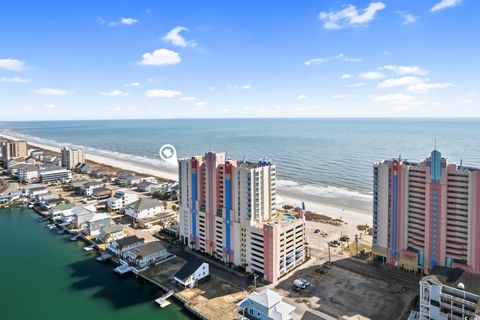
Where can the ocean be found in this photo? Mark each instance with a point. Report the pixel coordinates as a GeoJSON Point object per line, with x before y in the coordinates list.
{"type": "Point", "coordinates": [44, 275]}
{"type": "Point", "coordinates": [329, 159]}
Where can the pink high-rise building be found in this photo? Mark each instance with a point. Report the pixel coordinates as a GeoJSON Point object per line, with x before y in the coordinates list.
{"type": "Point", "coordinates": [427, 214]}
{"type": "Point", "coordinates": [228, 211]}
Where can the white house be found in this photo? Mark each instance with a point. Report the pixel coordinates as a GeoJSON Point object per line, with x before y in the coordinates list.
{"type": "Point", "coordinates": [128, 180]}
{"type": "Point", "coordinates": [87, 188]}
{"type": "Point", "coordinates": [78, 215]}
{"type": "Point", "coordinates": [55, 212]}
{"type": "Point", "coordinates": [111, 233]}
{"type": "Point", "coordinates": [97, 222]}
{"type": "Point", "coordinates": [144, 208]}
{"type": "Point", "coordinates": [149, 253]}
{"type": "Point", "coordinates": [121, 199]}
{"type": "Point", "coordinates": [265, 305]}
{"type": "Point", "coordinates": [36, 191]}
{"type": "Point", "coordinates": [120, 246]}
{"type": "Point", "coordinates": [193, 271]}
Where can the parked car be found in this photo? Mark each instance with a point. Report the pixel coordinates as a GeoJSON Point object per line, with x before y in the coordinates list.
{"type": "Point", "coordinates": [299, 284]}
{"type": "Point", "coordinates": [334, 243]}
{"type": "Point", "coordinates": [344, 238]}
{"type": "Point", "coordinates": [305, 282]}
{"type": "Point", "coordinates": [327, 265]}
{"type": "Point", "coordinates": [317, 231]}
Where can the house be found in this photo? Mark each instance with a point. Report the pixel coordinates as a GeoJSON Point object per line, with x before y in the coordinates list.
{"type": "Point", "coordinates": [121, 199]}
{"type": "Point", "coordinates": [54, 173]}
{"type": "Point", "coordinates": [101, 193]}
{"type": "Point", "coordinates": [84, 168]}
{"type": "Point", "coordinates": [144, 186]}
{"type": "Point", "coordinates": [36, 191]}
{"type": "Point", "coordinates": [128, 180]}
{"type": "Point", "coordinates": [111, 233]}
{"type": "Point", "coordinates": [120, 246]}
{"type": "Point", "coordinates": [97, 222]}
{"type": "Point", "coordinates": [88, 187]}
{"type": "Point", "coordinates": [27, 173]}
{"type": "Point", "coordinates": [265, 305]}
{"type": "Point", "coordinates": [49, 201]}
{"type": "Point", "coordinates": [146, 255]}
{"type": "Point", "coordinates": [82, 214]}
{"type": "Point", "coordinates": [193, 271]}
{"type": "Point", "coordinates": [56, 211]}
{"type": "Point", "coordinates": [144, 208]}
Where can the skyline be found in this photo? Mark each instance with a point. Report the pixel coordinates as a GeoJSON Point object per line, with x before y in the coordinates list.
{"type": "Point", "coordinates": [187, 60]}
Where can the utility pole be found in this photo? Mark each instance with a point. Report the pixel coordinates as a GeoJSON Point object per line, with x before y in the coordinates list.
{"type": "Point", "coordinates": [329, 260]}
{"type": "Point", "coordinates": [255, 280]}
{"type": "Point", "coordinates": [356, 244]}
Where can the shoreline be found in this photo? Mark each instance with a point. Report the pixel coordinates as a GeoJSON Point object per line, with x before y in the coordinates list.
{"type": "Point", "coordinates": [351, 215]}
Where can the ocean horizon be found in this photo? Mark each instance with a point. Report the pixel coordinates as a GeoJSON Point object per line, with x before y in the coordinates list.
{"type": "Point", "coordinates": [329, 160]}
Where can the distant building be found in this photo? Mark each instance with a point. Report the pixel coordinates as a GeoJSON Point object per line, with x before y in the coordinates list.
{"type": "Point", "coordinates": [55, 212]}
{"type": "Point", "coordinates": [72, 157]}
{"type": "Point", "coordinates": [144, 208]}
{"type": "Point", "coordinates": [192, 272]}
{"type": "Point", "coordinates": [13, 150]}
{"type": "Point", "coordinates": [97, 222]}
{"type": "Point", "coordinates": [427, 214]}
{"type": "Point", "coordinates": [88, 188]}
{"type": "Point", "coordinates": [265, 305]}
{"type": "Point", "coordinates": [54, 174]}
{"type": "Point", "coordinates": [228, 211]}
{"type": "Point", "coordinates": [121, 199]}
{"type": "Point", "coordinates": [439, 301]}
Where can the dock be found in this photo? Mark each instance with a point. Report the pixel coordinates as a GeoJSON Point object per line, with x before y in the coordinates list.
{"type": "Point", "coordinates": [162, 301]}
{"type": "Point", "coordinates": [104, 257]}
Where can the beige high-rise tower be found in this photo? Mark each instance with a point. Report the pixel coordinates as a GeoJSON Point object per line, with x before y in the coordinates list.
{"type": "Point", "coordinates": [72, 157]}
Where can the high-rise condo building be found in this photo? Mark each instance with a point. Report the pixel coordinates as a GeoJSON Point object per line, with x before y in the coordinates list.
{"type": "Point", "coordinates": [427, 214]}
{"type": "Point", "coordinates": [228, 210]}
{"type": "Point", "coordinates": [72, 157]}
{"type": "Point", "coordinates": [14, 150]}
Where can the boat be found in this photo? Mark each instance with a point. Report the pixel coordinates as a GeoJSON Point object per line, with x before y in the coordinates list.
{"type": "Point", "coordinates": [42, 219]}
{"type": "Point", "coordinates": [50, 226]}
{"type": "Point", "coordinates": [123, 268]}
{"type": "Point", "coordinates": [75, 238]}
{"type": "Point", "coordinates": [104, 256]}
{"type": "Point", "coordinates": [89, 248]}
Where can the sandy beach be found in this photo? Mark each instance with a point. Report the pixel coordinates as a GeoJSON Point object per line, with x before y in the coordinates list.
{"type": "Point", "coordinates": [352, 216]}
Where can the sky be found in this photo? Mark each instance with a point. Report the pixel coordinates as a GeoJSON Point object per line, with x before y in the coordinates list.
{"type": "Point", "coordinates": [238, 59]}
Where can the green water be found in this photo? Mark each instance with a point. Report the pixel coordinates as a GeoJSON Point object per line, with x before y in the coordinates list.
{"type": "Point", "coordinates": [43, 275]}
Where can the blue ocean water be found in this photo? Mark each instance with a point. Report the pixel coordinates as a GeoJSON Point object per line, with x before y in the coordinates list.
{"type": "Point", "coordinates": [327, 158]}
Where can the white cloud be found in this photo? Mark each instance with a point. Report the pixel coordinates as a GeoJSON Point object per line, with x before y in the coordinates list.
{"type": "Point", "coordinates": [358, 85]}
{"type": "Point", "coordinates": [340, 56]}
{"type": "Point", "coordinates": [15, 80]}
{"type": "Point", "coordinates": [301, 97]}
{"type": "Point", "coordinates": [400, 82]}
{"type": "Point", "coordinates": [246, 86]}
{"type": "Point", "coordinates": [445, 4]}
{"type": "Point", "coordinates": [161, 93]}
{"type": "Point", "coordinates": [115, 93]}
{"type": "Point", "coordinates": [52, 92]}
{"type": "Point", "coordinates": [175, 38]}
{"type": "Point", "coordinates": [12, 64]}
{"type": "Point", "coordinates": [188, 98]}
{"type": "Point", "coordinates": [372, 75]}
{"type": "Point", "coordinates": [427, 86]}
{"type": "Point", "coordinates": [160, 57]}
{"type": "Point", "coordinates": [128, 21]}
{"type": "Point", "coordinates": [201, 104]}
{"type": "Point", "coordinates": [346, 76]}
{"type": "Point", "coordinates": [134, 84]}
{"type": "Point", "coordinates": [398, 99]}
{"type": "Point", "coordinates": [238, 86]}
{"type": "Point", "coordinates": [344, 96]}
{"type": "Point", "coordinates": [401, 70]}
{"type": "Point", "coordinates": [50, 106]}
{"type": "Point", "coordinates": [350, 16]}
{"type": "Point", "coordinates": [407, 17]}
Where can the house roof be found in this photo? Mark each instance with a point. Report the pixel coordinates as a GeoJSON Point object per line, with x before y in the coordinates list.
{"type": "Point", "coordinates": [453, 277]}
{"type": "Point", "coordinates": [121, 243]}
{"type": "Point", "coordinates": [92, 184]}
{"type": "Point", "coordinates": [99, 217]}
{"type": "Point", "coordinates": [101, 190]}
{"type": "Point", "coordinates": [266, 297]}
{"type": "Point", "coordinates": [144, 204]}
{"type": "Point", "coordinates": [281, 311]}
{"type": "Point", "coordinates": [61, 207]}
{"type": "Point", "coordinates": [148, 249]}
{"type": "Point", "coordinates": [112, 229]}
{"type": "Point", "coordinates": [277, 309]}
{"type": "Point", "coordinates": [188, 269]}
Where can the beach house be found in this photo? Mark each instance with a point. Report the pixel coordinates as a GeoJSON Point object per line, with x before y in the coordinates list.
{"type": "Point", "coordinates": [55, 212]}
{"type": "Point", "coordinates": [88, 187]}
{"type": "Point", "coordinates": [144, 208]}
{"type": "Point", "coordinates": [111, 233]}
{"type": "Point", "coordinates": [121, 199]}
{"type": "Point", "coordinates": [120, 246]}
{"type": "Point", "coordinates": [192, 272]}
{"type": "Point", "coordinates": [97, 222]}
{"type": "Point", "coordinates": [265, 305]}
{"type": "Point", "coordinates": [147, 254]}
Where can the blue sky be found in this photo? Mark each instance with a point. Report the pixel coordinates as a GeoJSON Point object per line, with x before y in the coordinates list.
{"type": "Point", "coordinates": [192, 59]}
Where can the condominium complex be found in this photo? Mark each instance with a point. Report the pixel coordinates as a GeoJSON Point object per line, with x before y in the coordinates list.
{"type": "Point", "coordinates": [13, 150]}
{"type": "Point", "coordinates": [441, 301]}
{"type": "Point", "coordinates": [228, 210]}
{"type": "Point", "coordinates": [72, 157]}
{"type": "Point", "coordinates": [427, 214]}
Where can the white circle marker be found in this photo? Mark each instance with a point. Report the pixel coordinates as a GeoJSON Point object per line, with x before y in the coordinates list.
{"type": "Point", "coordinates": [168, 154]}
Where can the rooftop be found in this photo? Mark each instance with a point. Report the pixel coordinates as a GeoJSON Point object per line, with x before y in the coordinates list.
{"type": "Point", "coordinates": [112, 229]}
{"type": "Point", "coordinates": [148, 249]}
{"type": "Point", "coordinates": [121, 243]}
{"type": "Point", "coordinates": [188, 269]}
{"type": "Point", "coordinates": [144, 204]}
{"type": "Point", "coordinates": [61, 207]}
